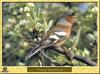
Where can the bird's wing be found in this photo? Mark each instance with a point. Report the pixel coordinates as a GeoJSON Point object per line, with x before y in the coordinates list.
{"type": "Point", "coordinates": [37, 48]}
{"type": "Point", "coordinates": [32, 52]}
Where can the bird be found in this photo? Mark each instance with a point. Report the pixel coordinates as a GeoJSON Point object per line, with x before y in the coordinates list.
{"type": "Point", "coordinates": [57, 35]}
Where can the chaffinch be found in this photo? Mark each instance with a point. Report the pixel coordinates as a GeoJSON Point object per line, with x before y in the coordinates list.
{"type": "Point", "coordinates": [57, 35]}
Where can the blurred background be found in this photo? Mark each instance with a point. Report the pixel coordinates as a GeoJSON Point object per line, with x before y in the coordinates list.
{"type": "Point", "coordinates": [19, 20]}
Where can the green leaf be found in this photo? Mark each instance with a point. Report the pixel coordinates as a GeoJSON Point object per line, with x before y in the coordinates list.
{"type": "Point", "coordinates": [49, 25]}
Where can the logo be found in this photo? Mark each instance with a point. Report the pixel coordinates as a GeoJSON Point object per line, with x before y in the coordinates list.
{"type": "Point", "coordinates": [5, 69]}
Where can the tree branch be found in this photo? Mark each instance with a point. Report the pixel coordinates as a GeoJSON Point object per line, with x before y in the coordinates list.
{"type": "Point", "coordinates": [77, 57]}
{"type": "Point", "coordinates": [46, 56]}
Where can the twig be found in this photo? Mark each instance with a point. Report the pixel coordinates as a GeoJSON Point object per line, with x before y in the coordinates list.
{"type": "Point", "coordinates": [36, 50]}
{"type": "Point", "coordinates": [46, 56]}
{"type": "Point", "coordinates": [60, 50]}
{"type": "Point", "coordinates": [77, 37]}
{"type": "Point", "coordinates": [85, 60]}
{"type": "Point", "coordinates": [77, 57]}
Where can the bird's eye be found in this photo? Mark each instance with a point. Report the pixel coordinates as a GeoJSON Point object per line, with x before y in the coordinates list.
{"type": "Point", "coordinates": [73, 13]}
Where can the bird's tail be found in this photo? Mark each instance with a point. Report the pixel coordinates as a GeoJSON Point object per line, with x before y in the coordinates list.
{"type": "Point", "coordinates": [33, 52]}
{"type": "Point", "coordinates": [37, 48]}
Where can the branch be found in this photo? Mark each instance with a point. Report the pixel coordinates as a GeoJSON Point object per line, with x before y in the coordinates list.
{"type": "Point", "coordinates": [77, 57]}
{"type": "Point", "coordinates": [77, 37]}
{"type": "Point", "coordinates": [85, 60]}
{"type": "Point", "coordinates": [46, 56]}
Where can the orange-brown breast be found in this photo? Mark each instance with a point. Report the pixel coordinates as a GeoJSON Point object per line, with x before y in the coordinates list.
{"type": "Point", "coordinates": [70, 19]}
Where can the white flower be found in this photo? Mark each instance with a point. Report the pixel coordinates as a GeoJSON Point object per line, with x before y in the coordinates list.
{"type": "Point", "coordinates": [21, 10]}
{"type": "Point", "coordinates": [94, 9]}
{"type": "Point", "coordinates": [25, 44]}
{"type": "Point", "coordinates": [7, 45]}
{"type": "Point", "coordinates": [26, 9]}
{"type": "Point", "coordinates": [14, 12]}
{"type": "Point", "coordinates": [86, 52]}
{"type": "Point", "coordinates": [39, 39]}
{"type": "Point", "coordinates": [90, 15]}
{"type": "Point", "coordinates": [7, 26]}
{"type": "Point", "coordinates": [21, 64]}
{"type": "Point", "coordinates": [23, 21]}
{"type": "Point", "coordinates": [28, 15]}
{"type": "Point", "coordinates": [11, 20]}
{"type": "Point", "coordinates": [35, 39]}
{"type": "Point", "coordinates": [11, 33]}
{"type": "Point", "coordinates": [31, 4]}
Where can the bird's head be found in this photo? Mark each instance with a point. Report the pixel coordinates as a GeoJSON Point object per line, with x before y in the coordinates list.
{"type": "Point", "coordinates": [70, 16]}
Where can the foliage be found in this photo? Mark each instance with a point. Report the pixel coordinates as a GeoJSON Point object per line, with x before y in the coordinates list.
{"type": "Point", "coordinates": [19, 20]}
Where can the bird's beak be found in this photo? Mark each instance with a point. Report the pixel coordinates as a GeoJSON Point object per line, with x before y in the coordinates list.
{"type": "Point", "coordinates": [76, 15]}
